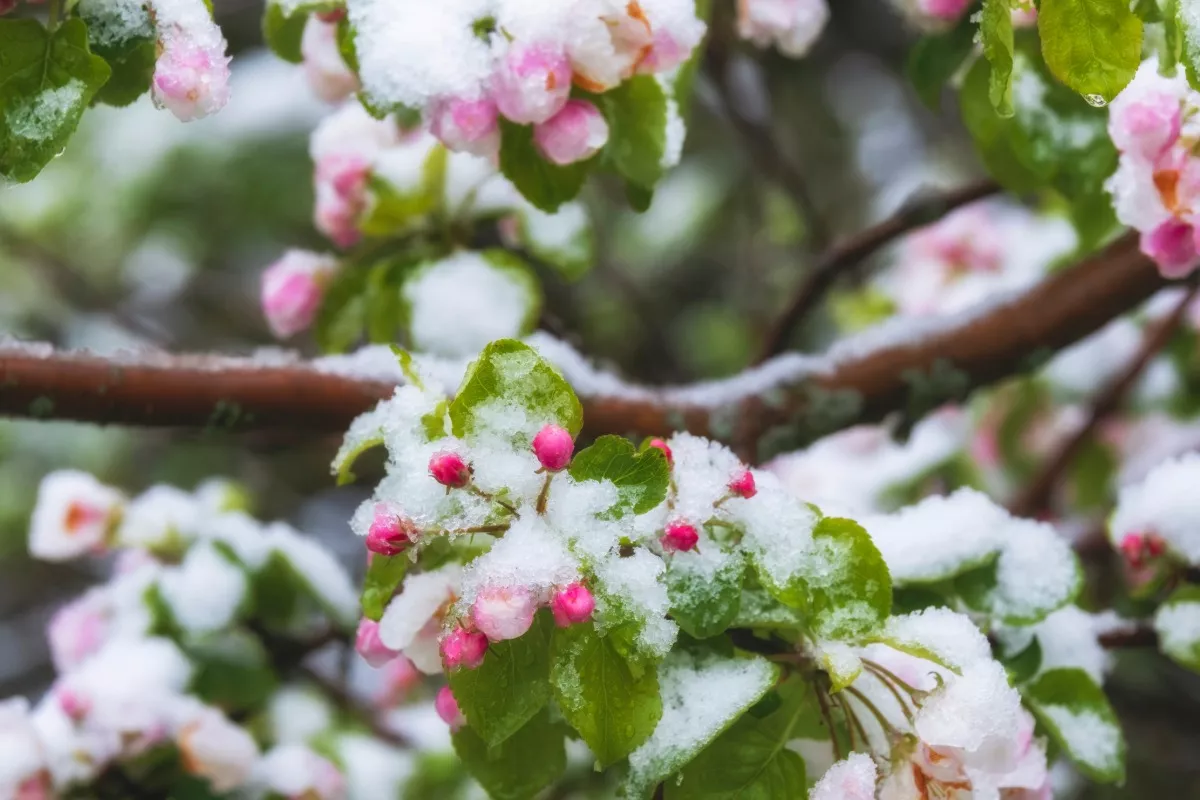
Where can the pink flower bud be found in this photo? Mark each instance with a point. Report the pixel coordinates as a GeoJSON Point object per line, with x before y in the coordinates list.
{"type": "Point", "coordinates": [336, 15]}
{"type": "Point", "coordinates": [189, 80]}
{"type": "Point", "coordinates": [572, 605]}
{"type": "Point", "coordinates": [1146, 126]}
{"type": "Point", "coordinates": [468, 126]}
{"type": "Point", "coordinates": [679, 536]}
{"type": "Point", "coordinates": [7, 6]}
{"type": "Point", "coordinates": [76, 631]}
{"type": "Point", "coordinates": [463, 648]}
{"type": "Point", "coordinates": [1172, 246]}
{"type": "Point", "coordinates": [74, 704]}
{"type": "Point", "coordinates": [665, 54]}
{"type": "Point", "coordinates": [327, 73]}
{"type": "Point", "coordinates": [390, 533]}
{"type": "Point", "coordinates": [447, 709]}
{"type": "Point", "coordinates": [400, 675]}
{"type": "Point", "coordinates": [659, 444]}
{"type": "Point", "coordinates": [948, 10]}
{"type": "Point", "coordinates": [553, 447]}
{"type": "Point", "coordinates": [532, 83]}
{"type": "Point", "coordinates": [574, 134]}
{"type": "Point", "coordinates": [504, 612]}
{"type": "Point", "coordinates": [369, 645]}
{"type": "Point", "coordinates": [449, 469]}
{"type": "Point", "coordinates": [292, 290]}
{"type": "Point", "coordinates": [743, 484]}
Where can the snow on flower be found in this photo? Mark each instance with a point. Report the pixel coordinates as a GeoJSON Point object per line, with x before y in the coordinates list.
{"type": "Point", "coordinates": [191, 76]}
{"type": "Point", "coordinates": [1157, 182]}
{"type": "Point", "coordinates": [22, 764]}
{"type": "Point", "coordinates": [575, 133]}
{"type": "Point", "coordinates": [295, 771]}
{"type": "Point", "coordinates": [791, 25]}
{"type": "Point", "coordinates": [852, 778]}
{"type": "Point", "coordinates": [327, 73]}
{"type": "Point", "coordinates": [74, 515]}
{"type": "Point", "coordinates": [1162, 505]}
{"type": "Point", "coordinates": [214, 748]}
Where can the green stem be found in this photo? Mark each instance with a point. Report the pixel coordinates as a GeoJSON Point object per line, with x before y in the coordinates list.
{"type": "Point", "coordinates": [545, 494]}
{"type": "Point", "coordinates": [54, 11]}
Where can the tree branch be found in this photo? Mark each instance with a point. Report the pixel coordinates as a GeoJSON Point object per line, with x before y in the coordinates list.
{"type": "Point", "coordinates": [781, 405]}
{"type": "Point", "coordinates": [843, 257]}
{"type": "Point", "coordinates": [1037, 493]}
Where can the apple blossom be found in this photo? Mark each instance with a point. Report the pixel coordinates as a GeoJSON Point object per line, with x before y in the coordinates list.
{"type": "Point", "coordinates": [468, 126]}
{"type": "Point", "coordinates": [390, 533]}
{"type": "Point", "coordinates": [191, 80]}
{"type": "Point", "coordinates": [368, 645]}
{"type": "Point", "coordinates": [77, 630]}
{"type": "Point", "coordinates": [792, 25]}
{"type": "Point", "coordinates": [504, 612]}
{"type": "Point", "coordinates": [463, 648]}
{"type": "Point", "coordinates": [572, 605]}
{"type": "Point", "coordinates": [327, 73]}
{"type": "Point", "coordinates": [292, 290]}
{"type": "Point", "coordinates": [74, 514]}
{"type": "Point", "coordinates": [400, 676]}
{"type": "Point", "coordinates": [447, 709]}
{"type": "Point", "coordinates": [532, 82]}
{"type": "Point", "coordinates": [575, 133]}
{"type": "Point", "coordinates": [216, 749]}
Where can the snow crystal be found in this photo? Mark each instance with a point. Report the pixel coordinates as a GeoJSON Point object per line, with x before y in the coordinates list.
{"type": "Point", "coordinates": [573, 509]}
{"type": "Point", "coordinates": [45, 115]}
{"type": "Point", "coordinates": [205, 591]}
{"type": "Point", "coordinates": [938, 536]}
{"type": "Point", "coordinates": [946, 634]}
{"type": "Point", "coordinates": [778, 528]}
{"type": "Point", "coordinates": [1178, 626]}
{"type": "Point", "coordinates": [1166, 503]}
{"type": "Point", "coordinates": [464, 301]}
{"type": "Point", "coordinates": [852, 778]}
{"type": "Point", "coordinates": [529, 554]}
{"type": "Point", "coordinates": [114, 22]}
{"type": "Point", "coordinates": [701, 695]}
{"type": "Point", "coordinates": [634, 586]}
{"type": "Point", "coordinates": [422, 596]}
{"type": "Point", "coordinates": [1093, 740]}
{"type": "Point", "coordinates": [158, 516]}
{"type": "Point", "coordinates": [977, 712]}
{"type": "Point", "coordinates": [702, 472]}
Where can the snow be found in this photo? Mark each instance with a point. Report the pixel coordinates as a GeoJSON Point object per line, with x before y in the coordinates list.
{"type": "Point", "coordinates": [1092, 739]}
{"type": "Point", "coordinates": [46, 114]}
{"type": "Point", "coordinates": [1165, 503]}
{"type": "Point", "coordinates": [701, 695]}
{"type": "Point", "coordinates": [852, 778]}
{"type": "Point", "coordinates": [205, 591]}
{"type": "Point", "coordinates": [1178, 626]}
{"type": "Point", "coordinates": [977, 712]}
{"type": "Point", "coordinates": [297, 714]}
{"type": "Point", "coordinates": [1069, 638]}
{"type": "Point", "coordinates": [529, 555]}
{"type": "Point", "coordinates": [702, 472]}
{"type": "Point", "coordinates": [374, 770]}
{"type": "Point", "coordinates": [939, 536]}
{"type": "Point", "coordinates": [948, 635]}
{"type": "Point", "coordinates": [778, 529]}
{"type": "Point", "coordinates": [1037, 569]}
{"type": "Point", "coordinates": [464, 301]}
{"type": "Point", "coordinates": [320, 569]}
{"type": "Point", "coordinates": [20, 752]}
{"type": "Point", "coordinates": [633, 587]}
{"type": "Point", "coordinates": [420, 599]}
{"type": "Point", "coordinates": [158, 517]}
{"type": "Point", "coordinates": [114, 22]}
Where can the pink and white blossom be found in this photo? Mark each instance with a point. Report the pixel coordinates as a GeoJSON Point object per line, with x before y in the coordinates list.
{"type": "Point", "coordinates": [297, 773]}
{"type": "Point", "coordinates": [575, 133]}
{"type": "Point", "coordinates": [852, 778]}
{"type": "Point", "coordinates": [22, 761]}
{"type": "Point", "coordinates": [326, 70]}
{"type": "Point", "coordinates": [572, 605]}
{"type": "Point", "coordinates": [468, 126]}
{"type": "Point", "coordinates": [400, 676]}
{"type": "Point", "coordinates": [532, 82]}
{"type": "Point", "coordinates": [369, 645]}
{"type": "Point", "coordinates": [791, 25]}
{"type": "Point", "coordinates": [463, 648]}
{"type": "Point", "coordinates": [504, 612]}
{"type": "Point", "coordinates": [74, 514]}
{"type": "Point", "coordinates": [214, 748]}
{"type": "Point", "coordinates": [293, 288]}
{"type": "Point", "coordinates": [447, 708]}
{"type": "Point", "coordinates": [344, 149]}
{"type": "Point", "coordinates": [191, 80]}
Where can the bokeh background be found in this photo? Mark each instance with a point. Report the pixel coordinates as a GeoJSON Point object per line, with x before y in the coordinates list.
{"type": "Point", "coordinates": [151, 233]}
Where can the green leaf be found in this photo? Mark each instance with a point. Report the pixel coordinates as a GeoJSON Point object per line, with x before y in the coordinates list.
{"type": "Point", "coordinates": [343, 313]}
{"type": "Point", "coordinates": [508, 372]}
{"type": "Point", "coordinates": [600, 697]}
{"type": "Point", "coordinates": [383, 576]}
{"type": "Point", "coordinates": [232, 671]}
{"type": "Point", "coordinates": [641, 478]}
{"type": "Point", "coordinates": [1021, 596]}
{"type": "Point", "coordinates": [1184, 37]}
{"type": "Point", "coordinates": [529, 761]}
{"type": "Point", "coordinates": [705, 591]}
{"type": "Point", "coordinates": [283, 26]}
{"type": "Point", "coordinates": [637, 129]}
{"type": "Point", "coordinates": [46, 82]}
{"type": "Point", "coordinates": [996, 30]}
{"type": "Point", "coordinates": [849, 588]}
{"type": "Point", "coordinates": [934, 60]}
{"type": "Point", "coordinates": [751, 760]}
{"type": "Point", "coordinates": [1178, 625]}
{"type": "Point", "coordinates": [571, 254]}
{"type": "Point", "coordinates": [545, 185]}
{"type": "Point", "coordinates": [129, 49]}
{"type": "Point", "coordinates": [511, 685]}
{"type": "Point", "coordinates": [759, 610]}
{"type": "Point", "coordinates": [1093, 46]}
{"type": "Point", "coordinates": [675, 742]}
{"type": "Point", "coordinates": [993, 134]}
{"type": "Point", "coordinates": [394, 211]}
{"type": "Point", "coordinates": [1022, 666]}
{"type": "Point", "coordinates": [1079, 719]}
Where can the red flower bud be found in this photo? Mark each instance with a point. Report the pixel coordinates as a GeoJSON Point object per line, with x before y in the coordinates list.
{"type": "Point", "coordinates": [743, 484]}
{"type": "Point", "coordinates": [679, 536]}
{"type": "Point", "coordinates": [572, 605]}
{"type": "Point", "coordinates": [390, 534]}
{"type": "Point", "coordinates": [553, 447]}
{"type": "Point", "coordinates": [666, 450]}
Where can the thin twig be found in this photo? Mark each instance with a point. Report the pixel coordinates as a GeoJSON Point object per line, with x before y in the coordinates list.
{"type": "Point", "coordinates": [845, 256]}
{"type": "Point", "coordinates": [1037, 493]}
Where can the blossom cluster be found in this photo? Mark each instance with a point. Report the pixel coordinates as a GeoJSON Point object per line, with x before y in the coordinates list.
{"type": "Point", "coordinates": [1156, 185]}
{"type": "Point", "coordinates": [140, 657]}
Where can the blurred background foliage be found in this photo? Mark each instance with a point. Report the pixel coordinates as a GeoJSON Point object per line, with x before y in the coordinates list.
{"type": "Point", "coordinates": [150, 233]}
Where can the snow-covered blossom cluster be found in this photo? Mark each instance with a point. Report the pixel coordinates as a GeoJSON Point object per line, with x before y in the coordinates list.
{"type": "Point", "coordinates": [166, 672]}
{"type": "Point", "coordinates": [791, 25]}
{"type": "Point", "coordinates": [623, 571]}
{"type": "Point", "coordinates": [1157, 182]}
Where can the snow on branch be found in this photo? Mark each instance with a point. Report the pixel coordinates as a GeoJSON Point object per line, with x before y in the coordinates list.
{"type": "Point", "coordinates": [909, 367]}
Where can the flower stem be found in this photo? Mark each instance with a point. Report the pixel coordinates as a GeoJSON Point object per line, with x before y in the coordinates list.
{"type": "Point", "coordinates": [882, 676]}
{"type": "Point", "coordinates": [545, 494]}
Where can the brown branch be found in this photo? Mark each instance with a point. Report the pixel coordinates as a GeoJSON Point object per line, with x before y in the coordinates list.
{"type": "Point", "coordinates": [759, 413]}
{"type": "Point", "coordinates": [1140, 636]}
{"type": "Point", "coordinates": [843, 257]}
{"type": "Point", "coordinates": [1036, 495]}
